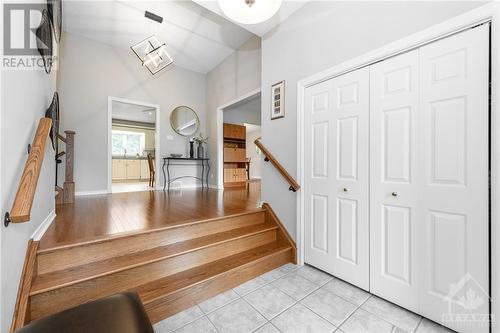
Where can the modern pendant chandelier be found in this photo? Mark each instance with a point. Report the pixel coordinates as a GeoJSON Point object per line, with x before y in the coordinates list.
{"type": "Point", "coordinates": [249, 11]}
{"type": "Point", "coordinates": [153, 54]}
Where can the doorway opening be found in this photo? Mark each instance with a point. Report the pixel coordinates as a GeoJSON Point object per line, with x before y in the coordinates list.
{"type": "Point", "coordinates": [238, 125]}
{"type": "Point", "coordinates": [133, 144]}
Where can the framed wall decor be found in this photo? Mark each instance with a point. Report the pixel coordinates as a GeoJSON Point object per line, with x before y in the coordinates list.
{"type": "Point", "coordinates": [278, 100]}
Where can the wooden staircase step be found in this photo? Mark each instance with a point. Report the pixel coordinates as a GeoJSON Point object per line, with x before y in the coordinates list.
{"type": "Point", "coordinates": [167, 296]}
{"type": "Point", "coordinates": [46, 297]}
{"type": "Point", "coordinates": [54, 280]}
{"type": "Point", "coordinates": [72, 255]}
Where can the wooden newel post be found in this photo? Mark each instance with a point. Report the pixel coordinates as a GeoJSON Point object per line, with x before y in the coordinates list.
{"type": "Point", "coordinates": [69, 184]}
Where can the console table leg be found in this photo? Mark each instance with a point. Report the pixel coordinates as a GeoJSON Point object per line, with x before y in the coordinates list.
{"type": "Point", "coordinates": [208, 172]}
{"type": "Point", "coordinates": [168, 174]}
{"type": "Point", "coordinates": [202, 174]}
{"type": "Point", "coordinates": [164, 178]}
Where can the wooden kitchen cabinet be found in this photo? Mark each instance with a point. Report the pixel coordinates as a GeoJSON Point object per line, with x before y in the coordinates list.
{"type": "Point", "coordinates": [134, 169]}
{"type": "Point", "coordinates": [235, 132]}
{"type": "Point", "coordinates": [232, 175]}
{"type": "Point", "coordinates": [127, 169]}
{"type": "Point", "coordinates": [119, 169]}
{"type": "Point", "coordinates": [235, 155]}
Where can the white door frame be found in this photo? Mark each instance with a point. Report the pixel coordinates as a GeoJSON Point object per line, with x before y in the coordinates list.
{"type": "Point", "coordinates": [487, 13]}
{"type": "Point", "coordinates": [220, 133]}
{"type": "Point", "coordinates": [112, 99]}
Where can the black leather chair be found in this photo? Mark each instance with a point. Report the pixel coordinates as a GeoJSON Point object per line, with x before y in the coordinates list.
{"type": "Point", "coordinates": [121, 313]}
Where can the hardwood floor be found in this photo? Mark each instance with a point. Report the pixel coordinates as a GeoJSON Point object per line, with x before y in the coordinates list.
{"type": "Point", "coordinates": [99, 217]}
{"type": "Point", "coordinates": [174, 249]}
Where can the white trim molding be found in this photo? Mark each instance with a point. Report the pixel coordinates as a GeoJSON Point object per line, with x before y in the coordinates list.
{"type": "Point", "coordinates": [42, 228]}
{"type": "Point", "coordinates": [96, 192]}
{"type": "Point", "coordinates": [486, 13]}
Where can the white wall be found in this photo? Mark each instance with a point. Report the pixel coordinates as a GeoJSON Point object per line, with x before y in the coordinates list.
{"type": "Point", "coordinates": [247, 112]}
{"type": "Point", "coordinates": [25, 96]}
{"type": "Point", "coordinates": [256, 159]}
{"type": "Point", "coordinates": [234, 77]}
{"type": "Point", "coordinates": [90, 72]}
{"type": "Point", "coordinates": [319, 36]}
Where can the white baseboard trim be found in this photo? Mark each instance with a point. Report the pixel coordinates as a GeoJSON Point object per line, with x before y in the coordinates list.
{"type": "Point", "coordinates": [190, 186]}
{"type": "Point", "coordinates": [40, 231]}
{"type": "Point", "coordinates": [82, 193]}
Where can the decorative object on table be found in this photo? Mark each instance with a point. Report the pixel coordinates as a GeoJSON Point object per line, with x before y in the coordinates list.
{"type": "Point", "coordinates": [249, 11]}
{"type": "Point", "coordinates": [44, 40]}
{"type": "Point", "coordinates": [191, 148]}
{"type": "Point", "coordinates": [153, 54]}
{"type": "Point", "coordinates": [184, 121]}
{"type": "Point", "coordinates": [278, 100]}
{"type": "Point", "coordinates": [200, 140]}
{"type": "Point", "coordinates": [176, 155]}
{"type": "Point", "coordinates": [55, 14]}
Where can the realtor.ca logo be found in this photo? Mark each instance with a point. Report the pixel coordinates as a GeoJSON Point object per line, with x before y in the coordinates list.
{"type": "Point", "coordinates": [27, 41]}
{"type": "Point", "coordinates": [468, 304]}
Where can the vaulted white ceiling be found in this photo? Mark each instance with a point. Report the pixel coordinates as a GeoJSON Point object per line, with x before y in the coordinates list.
{"type": "Point", "coordinates": [197, 38]}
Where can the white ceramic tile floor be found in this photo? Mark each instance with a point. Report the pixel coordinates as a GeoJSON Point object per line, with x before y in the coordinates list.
{"type": "Point", "coordinates": [292, 299]}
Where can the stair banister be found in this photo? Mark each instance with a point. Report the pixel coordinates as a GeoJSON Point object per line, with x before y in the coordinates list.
{"type": "Point", "coordinates": [21, 208]}
{"type": "Point", "coordinates": [294, 186]}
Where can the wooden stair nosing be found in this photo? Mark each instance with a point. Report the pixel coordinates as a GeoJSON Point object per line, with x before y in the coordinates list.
{"type": "Point", "coordinates": [262, 251]}
{"type": "Point", "coordinates": [142, 232]}
{"type": "Point", "coordinates": [41, 283]}
{"type": "Point", "coordinates": [76, 256]}
{"type": "Point", "coordinates": [63, 298]}
{"type": "Point", "coordinates": [171, 303]}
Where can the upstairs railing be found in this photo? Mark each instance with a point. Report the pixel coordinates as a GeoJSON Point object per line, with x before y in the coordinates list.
{"type": "Point", "coordinates": [294, 186]}
{"type": "Point", "coordinates": [21, 208]}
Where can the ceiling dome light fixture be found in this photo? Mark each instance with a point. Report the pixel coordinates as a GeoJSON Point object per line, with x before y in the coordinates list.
{"type": "Point", "coordinates": [249, 11]}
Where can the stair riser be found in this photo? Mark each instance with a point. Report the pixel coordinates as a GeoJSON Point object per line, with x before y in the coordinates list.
{"type": "Point", "coordinates": [64, 258]}
{"type": "Point", "coordinates": [186, 298]}
{"type": "Point", "coordinates": [60, 299]}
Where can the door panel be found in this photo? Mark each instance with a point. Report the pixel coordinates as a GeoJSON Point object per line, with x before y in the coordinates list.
{"type": "Point", "coordinates": [347, 235]}
{"type": "Point", "coordinates": [320, 149]}
{"type": "Point", "coordinates": [393, 198]}
{"type": "Point", "coordinates": [396, 233]}
{"type": "Point", "coordinates": [454, 171]}
{"type": "Point", "coordinates": [347, 151]}
{"type": "Point", "coordinates": [336, 184]}
{"type": "Point", "coordinates": [319, 223]}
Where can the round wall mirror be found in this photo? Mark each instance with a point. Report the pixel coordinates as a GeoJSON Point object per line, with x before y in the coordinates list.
{"type": "Point", "coordinates": [184, 121]}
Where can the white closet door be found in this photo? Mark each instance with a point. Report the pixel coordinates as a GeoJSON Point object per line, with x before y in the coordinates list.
{"type": "Point", "coordinates": [336, 181]}
{"type": "Point", "coordinates": [393, 170]}
{"type": "Point", "coordinates": [454, 187]}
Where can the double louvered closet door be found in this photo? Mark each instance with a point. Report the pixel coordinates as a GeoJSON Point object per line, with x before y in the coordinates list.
{"type": "Point", "coordinates": [396, 177]}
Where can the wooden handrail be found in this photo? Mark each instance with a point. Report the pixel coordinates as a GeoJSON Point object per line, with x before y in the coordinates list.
{"type": "Point", "coordinates": [294, 186]}
{"type": "Point", "coordinates": [21, 208]}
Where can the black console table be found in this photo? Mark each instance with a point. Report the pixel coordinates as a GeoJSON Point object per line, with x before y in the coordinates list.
{"type": "Point", "coordinates": [168, 161]}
